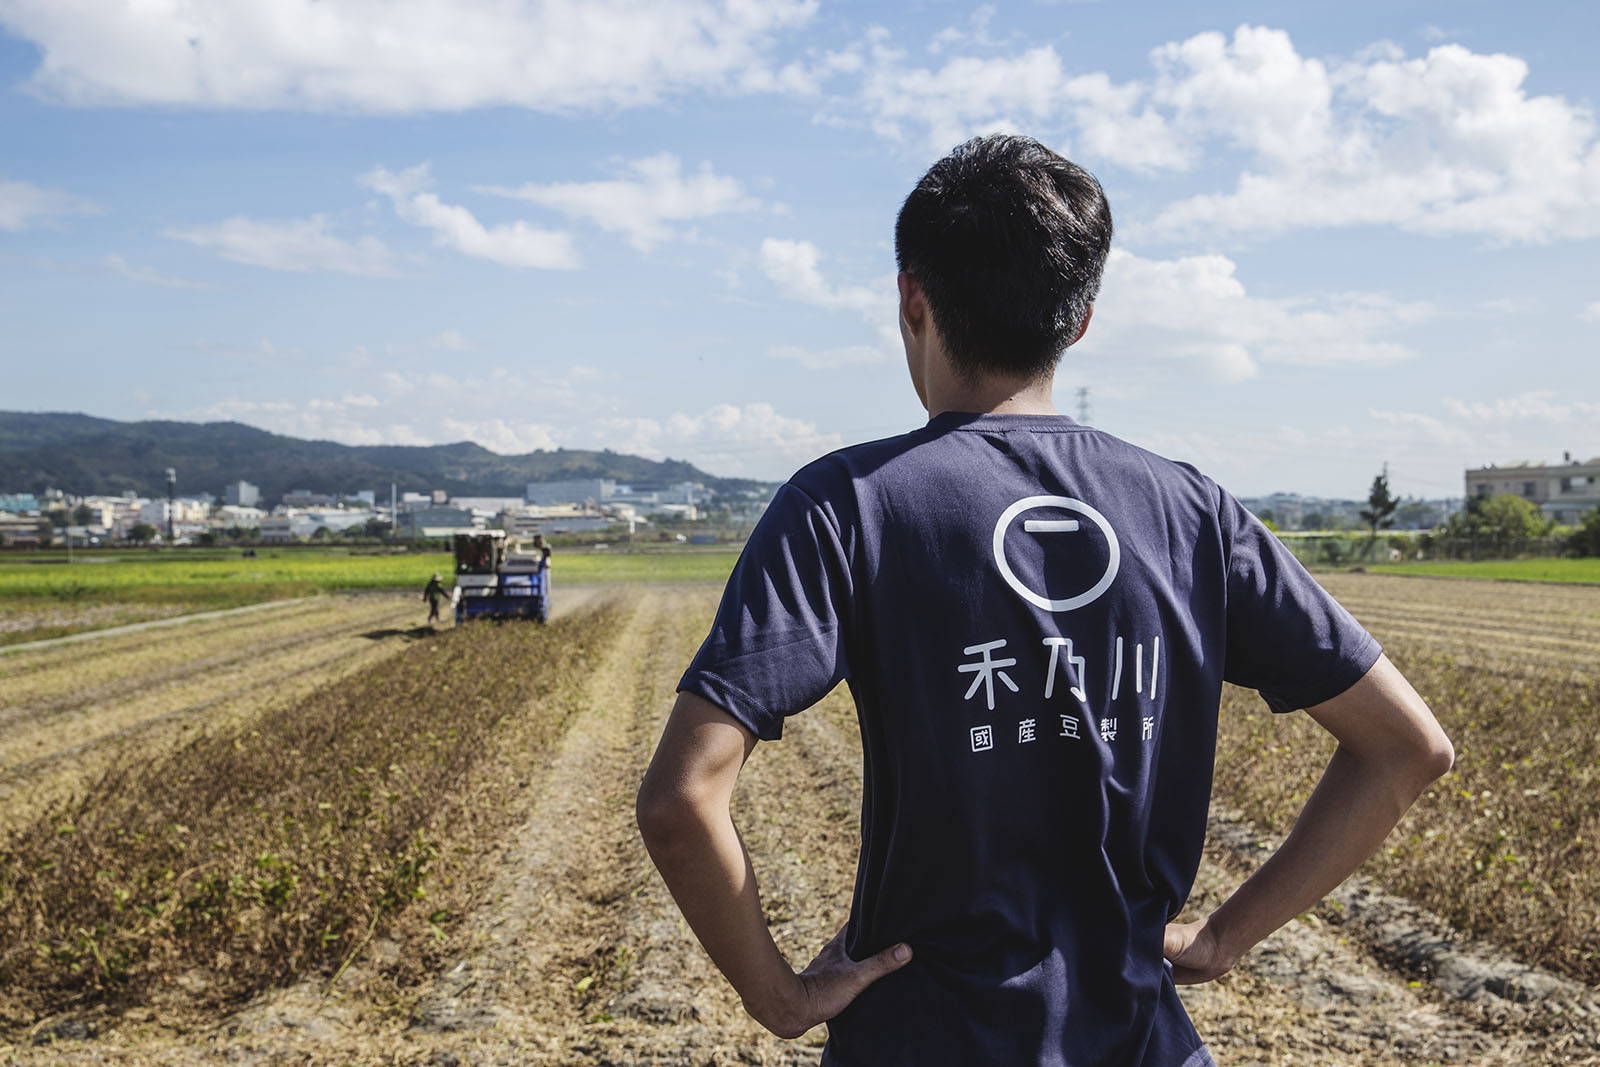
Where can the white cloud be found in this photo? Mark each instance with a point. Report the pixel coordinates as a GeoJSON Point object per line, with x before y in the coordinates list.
{"type": "Point", "coordinates": [513, 244]}
{"type": "Point", "coordinates": [1536, 425]}
{"type": "Point", "coordinates": [149, 275]}
{"type": "Point", "coordinates": [795, 267]}
{"type": "Point", "coordinates": [1428, 427]}
{"type": "Point", "coordinates": [1541, 407]}
{"type": "Point", "coordinates": [304, 245]}
{"type": "Point", "coordinates": [752, 440]}
{"type": "Point", "coordinates": [381, 56]}
{"type": "Point", "coordinates": [1591, 313]}
{"type": "Point", "coordinates": [1195, 310]}
{"type": "Point", "coordinates": [509, 437]}
{"type": "Point", "coordinates": [963, 97]}
{"type": "Point", "coordinates": [830, 358]}
{"type": "Point", "coordinates": [639, 206]}
{"type": "Point", "coordinates": [23, 204]}
{"type": "Point", "coordinates": [725, 439]}
{"type": "Point", "coordinates": [317, 419]}
{"type": "Point", "coordinates": [264, 352]}
{"type": "Point", "coordinates": [1449, 143]}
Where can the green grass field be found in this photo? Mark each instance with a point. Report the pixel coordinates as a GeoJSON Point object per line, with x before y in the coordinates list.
{"type": "Point", "coordinates": [43, 597]}
{"type": "Point", "coordinates": [1582, 571]}
{"type": "Point", "coordinates": [113, 575]}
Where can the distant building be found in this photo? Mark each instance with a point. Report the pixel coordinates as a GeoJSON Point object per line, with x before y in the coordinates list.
{"type": "Point", "coordinates": [240, 516]}
{"type": "Point", "coordinates": [491, 505]}
{"type": "Point", "coordinates": [578, 491]}
{"type": "Point", "coordinates": [19, 503]}
{"type": "Point", "coordinates": [242, 495]}
{"type": "Point", "coordinates": [305, 498]}
{"type": "Point", "coordinates": [277, 529]}
{"type": "Point", "coordinates": [1563, 492]}
{"type": "Point", "coordinates": [186, 511]}
{"type": "Point", "coordinates": [18, 532]}
{"type": "Point", "coordinates": [436, 522]}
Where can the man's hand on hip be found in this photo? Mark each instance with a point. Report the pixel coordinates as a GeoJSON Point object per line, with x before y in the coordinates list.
{"type": "Point", "coordinates": [826, 987]}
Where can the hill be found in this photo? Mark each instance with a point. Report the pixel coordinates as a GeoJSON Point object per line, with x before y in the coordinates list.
{"type": "Point", "coordinates": [85, 455]}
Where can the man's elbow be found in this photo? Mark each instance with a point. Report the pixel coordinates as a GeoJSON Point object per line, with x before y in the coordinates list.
{"type": "Point", "coordinates": [1425, 759]}
{"type": "Point", "coordinates": [1438, 756]}
{"type": "Point", "coordinates": [665, 817]}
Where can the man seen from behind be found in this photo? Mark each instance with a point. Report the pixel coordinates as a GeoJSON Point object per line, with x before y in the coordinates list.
{"type": "Point", "coordinates": [1035, 619]}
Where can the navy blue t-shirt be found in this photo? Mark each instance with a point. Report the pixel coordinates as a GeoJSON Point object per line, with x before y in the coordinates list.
{"type": "Point", "coordinates": [1035, 619]}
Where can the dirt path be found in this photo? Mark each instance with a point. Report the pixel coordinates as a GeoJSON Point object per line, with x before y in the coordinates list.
{"type": "Point", "coordinates": [577, 955]}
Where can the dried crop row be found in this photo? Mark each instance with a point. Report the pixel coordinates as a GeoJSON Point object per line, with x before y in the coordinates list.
{"type": "Point", "coordinates": [30, 786]}
{"type": "Point", "coordinates": [58, 671]}
{"type": "Point", "coordinates": [23, 621]}
{"type": "Point", "coordinates": [252, 855]}
{"type": "Point", "coordinates": [346, 618]}
{"type": "Point", "coordinates": [1505, 607]}
{"type": "Point", "coordinates": [1506, 846]}
{"type": "Point", "coordinates": [44, 757]}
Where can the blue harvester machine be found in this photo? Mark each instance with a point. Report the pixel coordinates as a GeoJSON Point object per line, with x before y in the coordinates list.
{"type": "Point", "coordinates": [495, 578]}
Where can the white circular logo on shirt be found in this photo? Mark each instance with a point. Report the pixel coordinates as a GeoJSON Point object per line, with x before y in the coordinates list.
{"type": "Point", "coordinates": [1054, 526]}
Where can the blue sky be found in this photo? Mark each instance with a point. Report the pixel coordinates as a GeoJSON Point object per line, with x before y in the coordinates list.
{"type": "Point", "coordinates": [1348, 233]}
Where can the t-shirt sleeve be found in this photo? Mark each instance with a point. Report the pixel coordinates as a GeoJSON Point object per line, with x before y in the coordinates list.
{"type": "Point", "coordinates": [778, 643]}
{"type": "Point", "coordinates": [1288, 637]}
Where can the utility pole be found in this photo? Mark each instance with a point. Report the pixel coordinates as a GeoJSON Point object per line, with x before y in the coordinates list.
{"type": "Point", "coordinates": [172, 495]}
{"type": "Point", "coordinates": [1083, 404]}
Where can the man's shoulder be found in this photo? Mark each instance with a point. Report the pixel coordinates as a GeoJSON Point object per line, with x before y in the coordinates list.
{"type": "Point", "coordinates": [935, 448]}
{"type": "Point", "coordinates": [843, 468]}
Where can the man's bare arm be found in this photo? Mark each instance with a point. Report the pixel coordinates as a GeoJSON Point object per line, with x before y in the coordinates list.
{"type": "Point", "coordinates": [1390, 748]}
{"type": "Point", "coordinates": [686, 824]}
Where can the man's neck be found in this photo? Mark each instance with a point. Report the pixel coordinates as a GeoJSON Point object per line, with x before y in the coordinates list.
{"type": "Point", "coordinates": [992, 396]}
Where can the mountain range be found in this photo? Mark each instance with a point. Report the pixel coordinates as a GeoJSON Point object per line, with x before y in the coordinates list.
{"type": "Point", "coordinates": [84, 455]}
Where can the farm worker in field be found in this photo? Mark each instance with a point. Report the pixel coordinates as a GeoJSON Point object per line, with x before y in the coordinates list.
{"type": "Point", "coordinates": [1035, 620]}
{"type": "Point", "coordinates": [433, 593]}
{"type": "Point", "coordinates": [543, 549]}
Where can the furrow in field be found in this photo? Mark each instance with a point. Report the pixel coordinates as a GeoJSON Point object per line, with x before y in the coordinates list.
{"type": "Point", "coordinates": [1373, 981]}
{"type": "Point", "coordinates": [129, 659]}
{"type": "Point", "coordinates": [1403, 618]}
{"type": "Point", "coordinates": [234, 664]}
{"type": "Point", "coordinates": [114, 655]}
{"type": "Point", "coordinates": [1513, 603]}
{"type": "Point", "coordinates": [550, 942]}
{"type": "Point", "coordinates": [43, 760]}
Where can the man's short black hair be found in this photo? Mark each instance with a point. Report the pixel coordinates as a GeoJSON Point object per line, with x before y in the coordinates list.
{"type": "Point", "coordinates": [1007, 240]}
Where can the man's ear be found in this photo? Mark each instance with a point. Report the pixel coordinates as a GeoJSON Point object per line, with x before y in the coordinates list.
{"type": "Point", "coordinates": [1083, 329]}
{"type": "Point", "coordinates": [913, 305]}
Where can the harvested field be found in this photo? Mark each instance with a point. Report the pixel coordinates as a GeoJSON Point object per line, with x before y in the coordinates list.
{"type": "Point", "coordinates": [68, 710]}
{"type": "Point", "coordinates": [544, 937]}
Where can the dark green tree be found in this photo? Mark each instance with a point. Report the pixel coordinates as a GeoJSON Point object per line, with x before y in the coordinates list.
{"type": "Point", "coordinates": [1585, 540]}
{"type": "Point", "coordinates": [1379, 512]}
{"type": "Point", "coordinates": [82, 515]}
{"type": "Point", "coordinates": [142, 533]}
